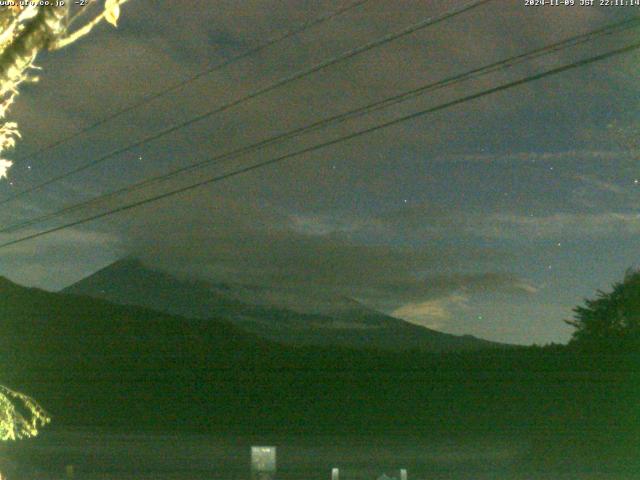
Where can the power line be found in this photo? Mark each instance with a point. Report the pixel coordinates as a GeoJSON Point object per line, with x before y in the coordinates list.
{"type": "Point", "coordinates": [255, 166]}
{"type": "Point", "coordinates": [279, 83]}
{"type": "Point", "coordinates": [180, 85]}
{"type": "Point", "coordinates": [385, 103]}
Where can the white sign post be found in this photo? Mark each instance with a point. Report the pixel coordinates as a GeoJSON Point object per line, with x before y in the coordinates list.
{"type": "Point", "coordinates": [263, 463]}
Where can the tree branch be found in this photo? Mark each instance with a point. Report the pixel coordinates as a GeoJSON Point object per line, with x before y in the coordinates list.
{"type": "Point", "coordinates": [81, 32]}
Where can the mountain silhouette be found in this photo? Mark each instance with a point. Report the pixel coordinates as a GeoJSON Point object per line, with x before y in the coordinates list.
{"type": "Point", "coordinates": [282, 315]}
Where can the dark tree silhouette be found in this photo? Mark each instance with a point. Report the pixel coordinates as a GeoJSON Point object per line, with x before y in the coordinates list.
{"type": "Point", "coordinates": [612, 320]}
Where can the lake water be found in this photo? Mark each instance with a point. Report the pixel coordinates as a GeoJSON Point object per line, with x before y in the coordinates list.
{"type": "Point", "coordinates": [194, 457]}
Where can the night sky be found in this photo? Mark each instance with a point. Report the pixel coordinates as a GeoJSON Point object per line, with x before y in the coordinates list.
{"type": "Point", "coordinates": [493, 218]}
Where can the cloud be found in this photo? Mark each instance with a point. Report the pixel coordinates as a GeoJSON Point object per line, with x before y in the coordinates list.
{"type": "Point", "coordinates": [556, 157]}
{"type": "Point", "coordinates": [432, 313]}
{"type": "Point", "coordinates": [543, 208]}
{"type": "Point", "coordinates": [251, 242]}
{"type": "Point", "coordinates": [597, 194]}
{"type": "Point", "coordinates": [323, 224]}
{"type": "Point", "coordinates": [557, 226]}
{"type": "Point", "coordinates": [601, 185]}
{"type": "Point", "coordinates": [57, 260]}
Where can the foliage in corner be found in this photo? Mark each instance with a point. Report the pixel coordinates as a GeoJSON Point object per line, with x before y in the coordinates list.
{"type": "Point", "coordinates": [20, 415]}
{"type": "Point", "coordinates": [25, 31]}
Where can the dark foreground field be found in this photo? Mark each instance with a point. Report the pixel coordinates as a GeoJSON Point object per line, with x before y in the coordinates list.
{"type": "Point", "coordinates": [502, 413]}
{"type": "Point", "coordinates": [530, 414]}
{"type": "Point", "coordinates": [101, 455]}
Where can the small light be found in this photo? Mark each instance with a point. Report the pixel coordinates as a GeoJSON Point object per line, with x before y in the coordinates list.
{"type": "Point", "coordinates": [263, 462]}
